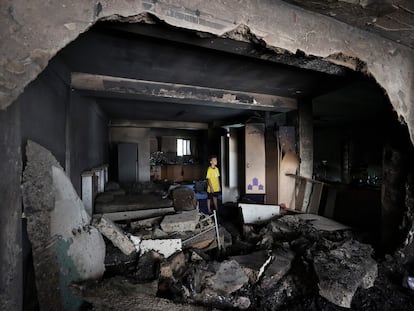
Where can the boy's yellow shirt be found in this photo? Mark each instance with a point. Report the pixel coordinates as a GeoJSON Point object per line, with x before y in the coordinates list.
{"type": "Point", "coordinates": [213, 174]}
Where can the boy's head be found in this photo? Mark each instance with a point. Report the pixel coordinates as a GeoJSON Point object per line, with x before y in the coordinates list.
{"type": "Point", "coordinates": [213, 160]}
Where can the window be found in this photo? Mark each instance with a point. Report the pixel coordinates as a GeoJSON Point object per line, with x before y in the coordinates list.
{"type": "Point", "coordinates": [183, 147]}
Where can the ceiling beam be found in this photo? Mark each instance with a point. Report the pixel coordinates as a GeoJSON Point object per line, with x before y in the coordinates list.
{"type": "Point", "coordinates": [181, 94]}
{"type": "Point", "coordinates": [256, 50]}
{"type": "Point", "coordinates": [183, 125]}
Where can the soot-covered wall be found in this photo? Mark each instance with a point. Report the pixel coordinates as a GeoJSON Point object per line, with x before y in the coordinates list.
{"type": "Point", "coordinates": [88, 136]}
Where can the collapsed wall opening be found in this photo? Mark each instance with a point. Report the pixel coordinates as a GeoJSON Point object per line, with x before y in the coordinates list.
{"type": "Point", "coordinates": [80, 150]}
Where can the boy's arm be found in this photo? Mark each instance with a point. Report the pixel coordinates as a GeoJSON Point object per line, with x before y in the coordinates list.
{"type": "Point", "coordinates": [210, 185]}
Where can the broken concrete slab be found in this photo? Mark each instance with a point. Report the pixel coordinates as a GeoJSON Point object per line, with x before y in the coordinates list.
{"type": "Point", "coordinates": [38, 192]}
{"type": "Point", "coordinates": [143, 214]}
{"type": "Point", "coordinates": [322, 223]}
{"type": "Point", "coordinates": [184, 199]}
{"type": "Point", "coordinates": [254, 264]}
{"type": "Point", "coordinates": [121, 203]}
{"type": "Point", "coordinates": [343, 269]}
{"type": "Point", "coordinates": [114, 234]}
{"type": "Point", "coordinates": [278, 295]}
{"type": "Point", "coordinates": [258, 213]}
{"type": "Point", "coordinates": [185, 221]}
{"type": "Point", "coordinates": [277, 269]}
{"type": "Point", "coordinates": [157, 233]}
{"type": "Point", "coordinates": [228, 278]}
{"type": "Point", "coordinates": [70, 221]}
{"type": "Point", "coordinates": [165, 247]}
{"type": "Point", "coordinates": [146, 223]}
{"type": "Point", "coordinates": [58, 227]}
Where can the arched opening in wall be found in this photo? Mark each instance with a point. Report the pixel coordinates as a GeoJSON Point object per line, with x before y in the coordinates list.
{"type": "Point", "coordinates": [154, 101]}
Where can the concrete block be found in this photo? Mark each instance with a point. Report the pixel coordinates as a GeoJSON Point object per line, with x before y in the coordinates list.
{"type": "Point", "coordinates": [146, 223]}
{"type": "Point", "coordinates": [343, 269]}
{"type": "Point", "coordinates": [132, 202]}
{"type": "Point", "coordinates": [63, 242]}
{"type": "Point", "coordinates": [254, 264]}
{"type": "Point", "coordinates": [258, 213]}
{"type": "Point", "coordinates": [282, 260]}
{"type": "Point", "coordinates": [144, 214]}
{"type": "Point", "coordinates": [165, 247]}
{"type": "Point", "coordinates": [322, 223]}
{"type": "Point", "coordinates": [185, 221]}
{"type": "Point", "coordinates": [229, 278]}
{"type": "Point", "coordinates": [114, 234]}
{"type": "Point", "coordinates": [184, 199]}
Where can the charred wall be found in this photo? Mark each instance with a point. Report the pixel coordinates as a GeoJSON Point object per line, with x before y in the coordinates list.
{"type": "Point", "coordinates": [41, 114]}
{"type": "Point", "coordinates": [11, 272]}
{"type": "Point", "coordinates": [88, 136]}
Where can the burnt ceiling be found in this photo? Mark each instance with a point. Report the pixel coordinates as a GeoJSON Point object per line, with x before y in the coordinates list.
{"type": "Point", "coordinates": [190, 65]}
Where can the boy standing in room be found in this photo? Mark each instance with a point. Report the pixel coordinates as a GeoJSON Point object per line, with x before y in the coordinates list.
{"type": "Point", "coordinates": [213, 183]}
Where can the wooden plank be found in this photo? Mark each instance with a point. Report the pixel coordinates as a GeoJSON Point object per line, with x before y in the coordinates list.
{"type": "Point", "coordinates": [301, 194]}
{"type": "Point", "coordinates": [315, 198]}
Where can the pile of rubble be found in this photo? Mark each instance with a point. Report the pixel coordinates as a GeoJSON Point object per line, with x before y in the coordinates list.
{"type": "Point", "coordinates": [147, 251]}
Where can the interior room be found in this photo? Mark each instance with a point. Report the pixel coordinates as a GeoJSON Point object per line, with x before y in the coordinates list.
{"type": "Point", "coordinates": [115, 135]}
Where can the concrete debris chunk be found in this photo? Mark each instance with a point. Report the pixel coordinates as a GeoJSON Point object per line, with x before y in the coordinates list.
{"type": "Point", "coordinates": [63, 242]}
{"type": "Point", "coordinates": [136, 241]}
{"type": "Point", "coordinates": [145, 223]}
{"type": "Point", "coordinates": [229, 278]}
{"type": "Point", "coordinates": [322, 223]}
{"type": "Point", "coordinates": [185, 221]}
{"type": "Point", "coordinates": [277, 269]}
{"type": "Point", "coordinates": [131, 202]}
{"type": "Point", "coordinates": [135, 215]}
{"type": "Point", "coordinates": [38, 192]}
{"type": "Point", "coordinates": [165, 247]}
{"type": "Point", "coordinates": [253, 264]}
{"type": "Point", "coordinates": [195, 257]}
{"type": "Point", "coordinates": [157, 233]}
{"type": "Point", "coordinates": [342, 270]}
{"type": "Point", "coordinates": [184, 199]}
{"type": "Point", "coordinates": [222, 302]}
{"type": "Point", "coordinates": [113, 233]}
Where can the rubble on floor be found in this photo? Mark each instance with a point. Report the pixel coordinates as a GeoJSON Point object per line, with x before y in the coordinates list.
{"type": "Point", "coordinates": [176, 258]}
{"type": "Point", "coordinates": [124, 295]}
{"type": "Point", "coordinates": [341, 270]}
